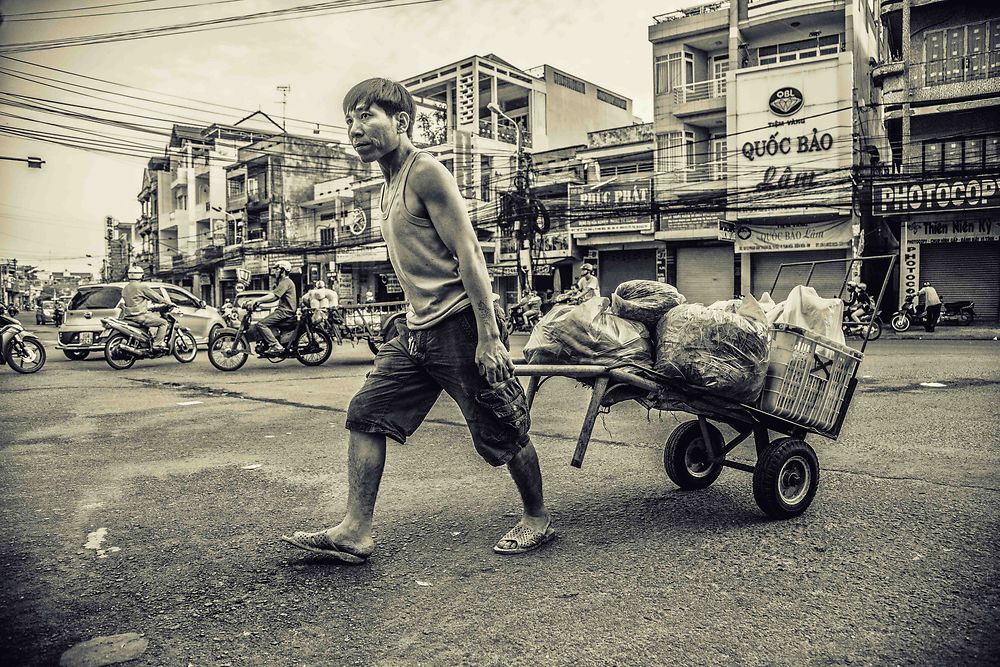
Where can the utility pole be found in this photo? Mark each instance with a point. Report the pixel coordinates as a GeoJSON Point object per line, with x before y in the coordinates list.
{"type": "Point", "coordinates": [284, 90]}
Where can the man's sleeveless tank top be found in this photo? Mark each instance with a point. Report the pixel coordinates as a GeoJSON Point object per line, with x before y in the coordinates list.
{"type": "Point", "coordinates": [425, 267]}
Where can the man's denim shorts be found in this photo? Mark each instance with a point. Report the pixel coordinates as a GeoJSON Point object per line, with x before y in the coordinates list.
{"type": "Point", "coordinates": [412, 369]}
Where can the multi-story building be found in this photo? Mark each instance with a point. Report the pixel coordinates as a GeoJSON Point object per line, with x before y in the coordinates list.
{"type": "Point", "coordinates": [940, 79]}
{"type": "Point", "coordinates": [155, 179]}
{"type": "Point", "coordinates": [763, 110]}
{"type": "Point", "coordinates": [119, 245]}
{"type": "Point", "coordinates": [271, 203]}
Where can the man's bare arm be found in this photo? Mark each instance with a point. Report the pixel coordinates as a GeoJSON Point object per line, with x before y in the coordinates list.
{"type": "Point", "coordinates": [438, 192]}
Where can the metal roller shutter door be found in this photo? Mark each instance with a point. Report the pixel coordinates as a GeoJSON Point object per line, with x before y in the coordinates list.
{"type": "Point", "coordinates": [705, 273]}
{"type": "Point", "coordinates": [960, 271]}
{"type": "Point", "coordinates": [617, 266]}
{"type": "Point", "coordinates": [826, 278]}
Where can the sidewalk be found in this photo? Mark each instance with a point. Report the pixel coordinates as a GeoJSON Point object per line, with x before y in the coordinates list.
{"type": "Point", "coordinates": [976, 331]}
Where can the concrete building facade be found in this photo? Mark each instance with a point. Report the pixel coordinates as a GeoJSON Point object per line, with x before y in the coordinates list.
{"type": "Point", "coordinates": [940, 77]}
{"type": "Point", "coordinates": [763, 112]}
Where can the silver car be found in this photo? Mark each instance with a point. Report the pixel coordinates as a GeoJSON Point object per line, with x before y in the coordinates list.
{"type": "Point", "coordinates": [82, 332]}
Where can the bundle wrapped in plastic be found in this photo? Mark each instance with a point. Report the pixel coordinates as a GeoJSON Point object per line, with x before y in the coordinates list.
{"type": "Point", "coordinates": [722, 351]}
{"type": "Point", "coordinates": [805, 308]}
{"type": "Point", "coordinates": [644, 301]}
{"type": "Point", "coordinates": [588, 333]}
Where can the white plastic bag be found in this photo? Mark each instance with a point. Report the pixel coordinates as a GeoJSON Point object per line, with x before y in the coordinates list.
{"type": "Point", "coordinates": [588, 333]}
{"type": "Point", "coordinates": [807, 309]}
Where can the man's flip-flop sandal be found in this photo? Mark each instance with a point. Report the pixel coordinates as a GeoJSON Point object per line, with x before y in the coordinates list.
{"type": "Point", "coordinates": [319, 543]}
{"type": "Point", "coordinates": [524, 539]}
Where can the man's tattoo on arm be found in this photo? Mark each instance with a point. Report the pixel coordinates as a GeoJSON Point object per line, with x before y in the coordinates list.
{"type": "Point", "coordinates": [483, 309]}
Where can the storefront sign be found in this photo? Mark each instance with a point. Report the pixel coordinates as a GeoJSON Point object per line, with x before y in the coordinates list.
{"type": "Point", "coordinates": [508, 248]}
{"type": "Point", "coordinates": [951, 194]}
{"type": "Point", "coordinates": [365, 253]}
{"type": "Point", "coordinates": [953, 231]}
{"type": "Point", "coordinates": [804, 236]}
{"type": "Point", "coordinates": [391, 283]}
{"type": "Point", "coordinates": [554, 245]}
{"type": "Point", "coordinates": [909, 267]}
{"type": "Point", "coordinates": [671, 222]}
{"type": "Point", "coordinates": [799, 164]}
{"type": "Point", "coordinates": [612, 206]}
{"type": "Point", "coordinates": [345, 285]}
{"type": "Point", "coordinates": [501, 270]}
{"type": "Point", "coordinates": [727, 231]}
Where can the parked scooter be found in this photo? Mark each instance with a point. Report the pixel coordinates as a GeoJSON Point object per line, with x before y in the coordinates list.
{"type": "Point", "coordinates": [956, 312]}
{"type": "Point", "coordinates": [132, 341]}
{"type": "Point", "coordinates": [869, 326]}
{"type": "Point", "coordinates": [19, 349]}
{"type": "Point", "coordinates": [229, 349]}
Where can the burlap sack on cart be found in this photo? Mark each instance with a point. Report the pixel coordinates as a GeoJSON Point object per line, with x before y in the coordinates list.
{"type": "Point", "coordinates": [720, 350]}
{"type": "Point", "coordinates": [807, 309]}
{"type": "Point", "coordinates": [588, 334]}
{"type": "Point", "coordinates": [644, 301]}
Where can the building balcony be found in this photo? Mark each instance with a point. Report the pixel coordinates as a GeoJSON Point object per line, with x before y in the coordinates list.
{"type": "Point", "coordinates": [211, 252]}
{"type": "Point", "coordinates": [940, 81]}
{"type": "Point", "coordinates": [236, 202]}
{"type": "Point", "coordinates": [505, 132]}
{"type": "Point", "coordinates": [203, 211]}
{"type": "Point", "coordinates": [179, 178]}
{"type": "Point", "coordinates": [701, 90]}
{"type": "Point", "coordinates": [258, 200]}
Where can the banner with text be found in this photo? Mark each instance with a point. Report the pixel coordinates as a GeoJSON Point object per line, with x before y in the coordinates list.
{"type": "Point", "coordinates": [803, 236]}
{"type": "Point", "coordinates": [612, 206]}
{"type": "Point", "coordinates": [953, 231]}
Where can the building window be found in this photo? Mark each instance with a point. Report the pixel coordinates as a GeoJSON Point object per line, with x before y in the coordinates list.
{"type": "Point", "coordinates": [569, 82]}
{"type": "Point", "coordinates": [719, 157]}
{"type": "Point", "coordinates": [611, 99]}
{"type": "Point", "coordinates": [960, 155]}
{"type": "Point", "coordinates": [676, 154]}
{"type": "Point", "coordinates": [234, 188]}
{"type": "Point", "coordinates": [962, 53]}
{"type": "Point", "coordinates": [326, 236]}
{"type": "Point", "coordinates": [822, 45]}
{"type": "Point", "coordinates": [720, 65]}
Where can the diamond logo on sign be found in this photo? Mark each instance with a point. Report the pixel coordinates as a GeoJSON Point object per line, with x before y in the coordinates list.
{"type": "Point", "coordinates": [785, 101]}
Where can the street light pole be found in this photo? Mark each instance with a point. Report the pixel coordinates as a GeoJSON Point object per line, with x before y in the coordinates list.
{"type": "Point", "coordinates": [520, 186]}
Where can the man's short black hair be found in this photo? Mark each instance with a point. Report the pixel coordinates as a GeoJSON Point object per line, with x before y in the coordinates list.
{"type": "Point", "coordinates": [391, 96]}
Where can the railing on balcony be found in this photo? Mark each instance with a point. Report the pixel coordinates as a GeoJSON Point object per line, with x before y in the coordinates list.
{"type": "Point", "coordinates": [235, 201]}
{"type": "Point", "coordinates": [692, 11]}
{"type": "Point", "coordinates": [257, 234]}
{"type": "Point", "coordinates": [700, 90]}
{"type": "Point", "coordinates": [505, 132]}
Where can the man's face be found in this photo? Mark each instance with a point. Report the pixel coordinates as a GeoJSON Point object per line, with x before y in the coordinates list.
{"type": "Point", "coordinates": [373, 132]}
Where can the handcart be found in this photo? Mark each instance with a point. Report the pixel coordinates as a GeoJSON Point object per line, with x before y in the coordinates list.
{"type": "Point", "coordinates": [808, 388]}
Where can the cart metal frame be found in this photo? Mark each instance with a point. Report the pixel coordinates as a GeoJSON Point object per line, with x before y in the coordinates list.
{"type": "Point", "coordinates": [614, 384]}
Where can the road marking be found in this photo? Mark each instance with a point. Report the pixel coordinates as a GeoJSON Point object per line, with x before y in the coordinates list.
{"type": "Point", "coordinates": [189, 402]}
{"type": "Point", "coordinates": [932, 384]}
{"type": "Point", "coordinates": [252, 466]}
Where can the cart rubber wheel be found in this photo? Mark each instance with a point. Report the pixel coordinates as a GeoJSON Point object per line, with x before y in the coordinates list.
{"type": "Point", "coordinates": [685, 456]}
{"type": "Point", "coordinates": [785, 478]}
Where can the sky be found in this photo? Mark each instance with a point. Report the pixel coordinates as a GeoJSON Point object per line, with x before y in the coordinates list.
{"type": "Point", "coordinates": [53, 217]}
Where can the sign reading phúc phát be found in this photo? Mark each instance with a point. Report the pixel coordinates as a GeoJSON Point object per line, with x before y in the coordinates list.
{"type": "Point", "coordinates": [612, 206]}
{"type": "Point", "coordinates": [797, 236]}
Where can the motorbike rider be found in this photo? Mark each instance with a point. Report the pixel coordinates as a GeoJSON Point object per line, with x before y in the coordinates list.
{"type": "Point", "coordinates": [284, 292]}
{"type": "Point", "coordinates": [58, 314]}
{"type": "Point", "coordinates": [860, 303]}
{"type": "Point", "coordinates": [932, 306]}
{"type": "Point", "coordinates": [528, 307]}
{"type": "Point", "coordinates": [587, 285]}
{"type": "Point", "coordinates": [136, 296]}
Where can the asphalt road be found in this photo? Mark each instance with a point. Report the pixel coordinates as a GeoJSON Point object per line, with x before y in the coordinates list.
{"type": "Point", "coordinates": [150, 501]}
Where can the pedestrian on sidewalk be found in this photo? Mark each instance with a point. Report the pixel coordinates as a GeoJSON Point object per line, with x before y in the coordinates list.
{"type": "Point", "coordinates": [453, 338]}
{"type": "Point", "coordinates": [932, 306]}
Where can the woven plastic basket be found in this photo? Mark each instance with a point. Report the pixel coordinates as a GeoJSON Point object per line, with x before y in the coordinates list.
{"type": "Point", "coordinates": [807, 377]}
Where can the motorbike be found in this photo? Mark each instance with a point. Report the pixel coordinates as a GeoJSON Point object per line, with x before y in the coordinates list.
{"type": "Point", "coordinates": [58, 315]}
{"type": "Point", "coordinates": [229, 349]}
{"type": "Point", "coordinates": [517, 321]}
{"type": "Point", "coordinates": [955, 312]}
{"type": "Point", "coordinates": [870, 326]}
{"type": "Point", "coordinates": [19, 349]}
{"type": "Point", "coordinates": [131, 341]}
{"type": "Point", "coordinates": [8, 309]}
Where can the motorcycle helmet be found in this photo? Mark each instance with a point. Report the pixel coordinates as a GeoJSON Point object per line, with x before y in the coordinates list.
{"type": "Point", "coordinates": [283, 264]}
{"type": "Point", "coordinates": [587, 266]}
{"type": "Point", "coordinates": [134, 273]}
{"type": "Point", "coordinates": [862, 286]}
{"type": "Point", "coordinates": [320, 284]}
